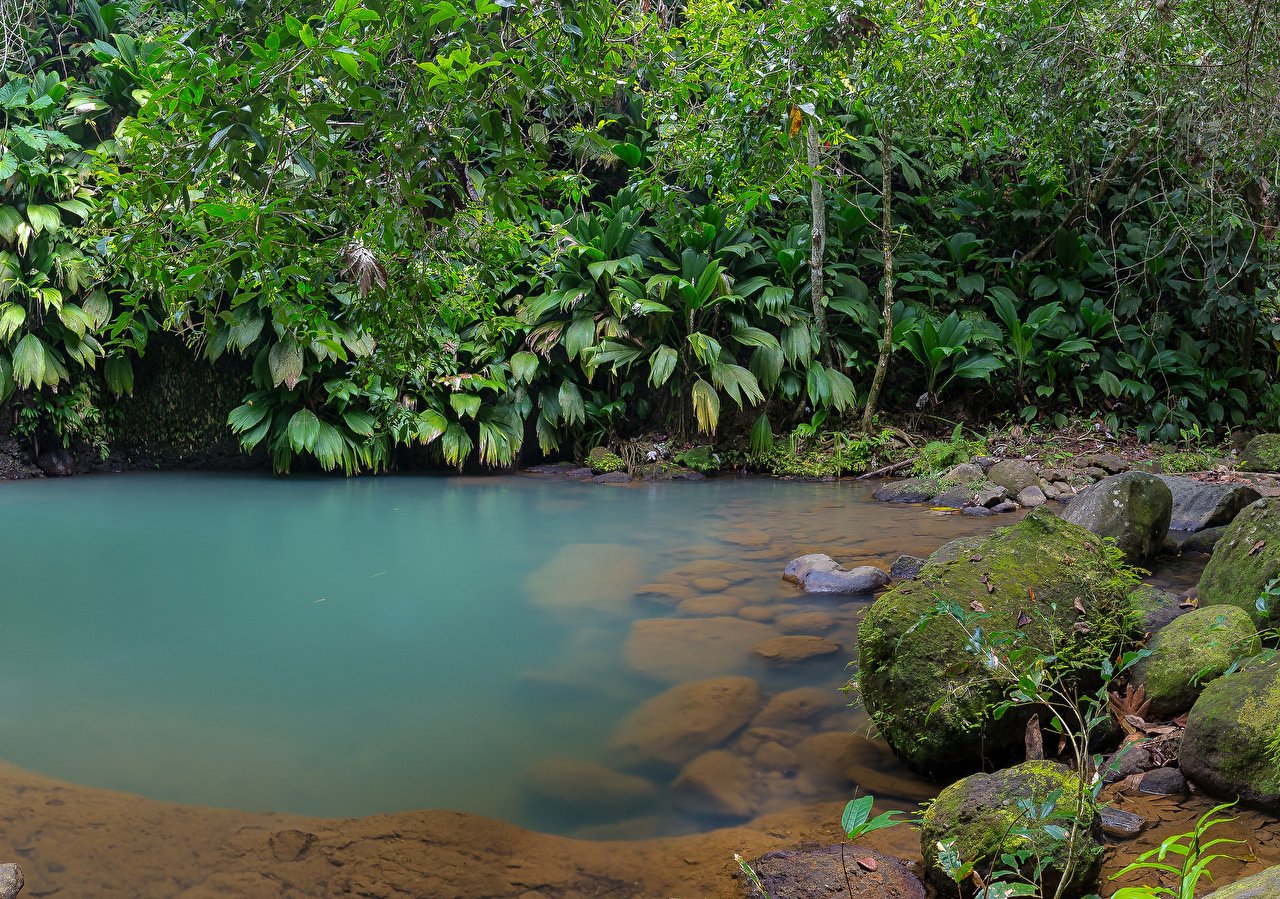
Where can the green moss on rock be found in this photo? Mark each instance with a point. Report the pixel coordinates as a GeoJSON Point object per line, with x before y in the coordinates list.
{"type": "Point", "coordinates": [1191, 651]}
{"type": "Point", "coordinates": [932, 697]}
{"type": "Point", "coordinates": [981, 817]}
{"type": "Point", "coordinates": [1262, 453]}
{"type": "Point", "coordinates": [1231, 747]}
{"type": "Point", "coordinates": [1245, 559]}
{"type": "Point", "coordinates": [700, 458]}
{"type": "Point", "coordinates": [601, 461]}
{"type": "Point", "coordinates": [1260, 886]}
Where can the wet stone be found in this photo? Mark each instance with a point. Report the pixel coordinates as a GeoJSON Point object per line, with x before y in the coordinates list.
{"type": "Point", "coordinates": [793, 649]}
{"type": "Point", "coordinates": [1163, 782]}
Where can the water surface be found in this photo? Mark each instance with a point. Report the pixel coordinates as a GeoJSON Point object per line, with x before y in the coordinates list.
{"type": "Point", "coordinates": [345, 647]}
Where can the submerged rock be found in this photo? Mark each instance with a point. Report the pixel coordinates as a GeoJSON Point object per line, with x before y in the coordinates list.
{"type": "Point", "coordinates": [677, 649]}
{"type": "Point", "coordinates": [1260, 886]}
{"type": "Point", "coordinates": [1198, 505]}
{"type": "Point", "coordinates": [587, 576]}
{"type": "Point", "coordinates": [796, 648]}
{"type": "Point", "coordinates": [587, 786]}
{"type": "Point", "coordinates": [1245, 559]}
{"type": "Point", "coordinates": [715, 783]}
{"type": "Point", "coordinates": [796, 707]}
{"type": "Point", "coordinates": [820, 874]}
{"type": "Point", "coordinates": [1134, 508]}
{"type": "Point", "coordinates": [932, 697]}
{"type": "Point", "coordinates": [685, 721]}
{"type": "Point", "coordinates": [979, 815]}
{"type": "Point", "coordinates": [1229, 747]}
{"type": "Point", "coordinates": [1190, 652]}
{"type": "Point", "coordinates": [800, 568]}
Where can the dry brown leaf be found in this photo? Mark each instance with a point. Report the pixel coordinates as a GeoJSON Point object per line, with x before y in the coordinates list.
{"type": "Point", "coordinates": [1079, 605]}
{"type": "Point", "coordinates": [977, 606]}
{"type": "Point", "coordinates": [868, 863]}
{"type": "Point", "coordinates": [1023, 618]}
{"type": "Point", "coordinates": [1257, 546]}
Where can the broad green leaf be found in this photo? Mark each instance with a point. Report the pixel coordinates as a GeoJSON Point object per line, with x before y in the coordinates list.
{"type": "Point", "coordinates": [761, 436]}
{"type": "Point", "coordinates": [465, 404]}
{"type": "Point", "coordinates": [10, 219]}
{"type": "Point", "coordinates": [661, 364]}
{"type": "Point", "coordinates": [360, 422]}
{"type": "Point", "coordinates": [524, 366]}
{"type": "Point", "coordinates": [30, 362]}
{"type": "Point", "coordinates": [242, 418]}
{"type": "Point", "coordinates": [456, 445]}
{"type": "Point", "coordinates": [43, 217]}
{"type": "Point", "coordinates": [303, 430]}
{"type": "Point", "coordinates": [11, 318]}
{"type": "Point", "coordinates": [572, 407]}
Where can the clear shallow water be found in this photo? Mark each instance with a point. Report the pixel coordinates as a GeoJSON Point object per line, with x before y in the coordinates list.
{"type": "Point", "coordinates": [342, 648]}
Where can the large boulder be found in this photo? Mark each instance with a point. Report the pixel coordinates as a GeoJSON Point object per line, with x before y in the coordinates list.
{"type": "Point", "coordinates": [1262, 453]}
{"type": "Point", "coordinates": [1190, 652]}
{"type": "Point", "coordinates": [929, 694]}
{"type": "Point", "coordinates": [685, 721]}
{"type": "Point", "coordinates": [1245, 559]}
{"type": "Point", "coordinates": [981, 814]}
{"type": "Point", "coordinates": [1231, 746]}
{"type": "Point", "coordinates": [1134, 508]}
{"type": "Point", "coordinates": [1014, 475]}
{"type": "Point", "coordinates": [1198, 505]}
{"type": "Point", "coordinates": [1260, 886]}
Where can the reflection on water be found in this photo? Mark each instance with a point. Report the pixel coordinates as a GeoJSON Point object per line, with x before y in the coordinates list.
{"type": "Point", "coordinates": [348, 647]}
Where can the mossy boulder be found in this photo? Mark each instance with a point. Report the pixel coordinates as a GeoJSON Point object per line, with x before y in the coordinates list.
{"type": "Point", "coordinates": [1134, 508]}
{"type": "Point", "coordinates": [1245, 559]}
{"type": "Point", "coordinates": [929, 694]}
{"type": "Point", "coordinates": [1190, 652]}
{"type": "Point", "coordinates": [1015, 475]}
{"type": "Point", "coordinates": [1262, 453]}
{"type": "Point", "coordinates": [1231, 747]}
{"type": "Point", "coordinates": [1260, 886]}
{"type": "Point", "coordinates": [983, 817]}
{"type": "Point", "coordinates": [702, 459]}
{"type": "Point", "coordinates": [602, 461]}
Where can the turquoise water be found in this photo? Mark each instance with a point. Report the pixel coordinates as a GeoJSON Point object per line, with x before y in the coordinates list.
{"type": "Point", "coordinates": [345, 647]}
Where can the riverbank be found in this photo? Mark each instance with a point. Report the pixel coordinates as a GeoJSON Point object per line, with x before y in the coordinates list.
{"type": "Point", "coordinates": [78, 841]}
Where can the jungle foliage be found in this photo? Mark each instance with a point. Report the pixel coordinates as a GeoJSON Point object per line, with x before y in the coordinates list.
{"type": "Point", "coordinates": [484, 227]}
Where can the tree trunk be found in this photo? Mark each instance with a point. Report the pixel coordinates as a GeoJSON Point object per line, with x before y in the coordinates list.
{"type": "Point", "coordinates": [818, 247]}
{"type": "Point", "coordinates": [886, 243]}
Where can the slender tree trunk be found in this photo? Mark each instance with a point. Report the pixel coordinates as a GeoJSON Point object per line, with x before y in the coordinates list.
{"type": "Point", "coordinates": [818, 247]}
{"type": "Point", "coordinates": [886, 243]}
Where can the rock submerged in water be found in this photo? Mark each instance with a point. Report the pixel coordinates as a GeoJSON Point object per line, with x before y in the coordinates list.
{"type": "Point", "coordinates": [677, 649]}
{"type": "Point", "coordinates": [929, 695]}
{"type": "Point", "coordinates": [820, 873]}
{"type": "Point", "coordinates": [979, 815]}
{"type": "Point", "coordinates": [1245, 559]}
{"type": "Point", "coordinates": [793, 649]}
{"type": "Point", "coordinates": [685, 721]}
{"type": "Point", "coordinates": [1260, 886]}
{"type": "Point", "coordinates": [586, 786]}
{"type": "Point", "coordinates": [715, 783]}
{"type": "Point", "coordinates": [1229, 746]}
{"type": "Point", "coordinates": [1134, 508]}
{"type": "Point", "coordinates": [1191, 651]}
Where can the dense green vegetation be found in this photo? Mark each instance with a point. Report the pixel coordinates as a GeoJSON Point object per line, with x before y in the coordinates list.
{"type": "Point", "coordinates": [480, 227]}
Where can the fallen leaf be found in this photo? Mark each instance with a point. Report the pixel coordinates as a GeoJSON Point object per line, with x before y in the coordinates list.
{"type": "Point", "coordinates": [977, 606]}
{"type": "Point", "coordinates": [1257, 546]}
{"type": "Point", "coordinates": [868, 863]}
{"type": "Point", "coordinates": [1032, 594]}
{"type": "Point", "coordinates": [1079, 605]}
{"type": "Point", "coordinates": [1081, 627]}
{"type": "Point", "coordinates": [975, 558]}
{"type": "Point", "coordinates": [1189, 603]}
{"type": "Point", "coordinates": [1023, 619]}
